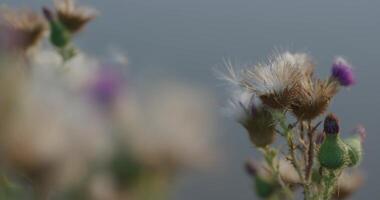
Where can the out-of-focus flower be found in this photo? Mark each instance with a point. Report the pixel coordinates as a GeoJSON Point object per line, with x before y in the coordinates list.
{"type": "Point", "coordinates": [170, 127]}
{"type": "Point", "coordinates": [278, 82]}
{"type": "Point", "coordinates": [20, 30]}
{"type": "Point", "coordinates": [347, 184]}
{"type": "Point", "coordinates": [106, 85]}
{"type": "Point", "coordinates": [342, 72]}
{"type": "Point", "coordinates": [313, 99]}
{"type": "Point", "coordinates": [73, 17]}
{"type": "Point", "coordinates": [78, 73]}
{"type": "Point", "coordinates": [55, 148]}
{"type": "Point", "coordinates": [355, 146]}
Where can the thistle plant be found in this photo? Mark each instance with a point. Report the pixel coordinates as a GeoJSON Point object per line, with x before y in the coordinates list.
{"type": "Point", "coordinates": [64, 23]}
{"type": "Point", "coordinates": [95, 136]}
{"type": "Point", "coordinates": [284, 99]}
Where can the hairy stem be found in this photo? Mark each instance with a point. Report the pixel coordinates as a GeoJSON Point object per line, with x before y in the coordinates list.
{"type": "Point", "coordinates": [310, 161]}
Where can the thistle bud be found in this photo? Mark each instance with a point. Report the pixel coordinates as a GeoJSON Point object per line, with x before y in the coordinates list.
{"type": "Point", "coordinates": [333, 151]}
{"type": "Point", "coordinates": [355, 148]}
{"type": "Point", "coordinates": [59, 35]}
{"type": "Point", "coordinates": [260, 126]}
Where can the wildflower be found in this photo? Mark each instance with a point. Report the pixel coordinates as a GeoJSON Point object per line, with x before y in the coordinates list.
{"type": "Point", "coordinates": [256, 119]}
{"type": "Point", "coordinates": [333, 151]}
{"type": "Point", "coordinates": [74, 18]}
{"type": "Point", "coordinates": [106, 86]}
{"type": "Point", "coordinates": [341, 72]}
{"type": "Point", "coordinates": [278, 82]}
{"type": "Point", "coordinates": [21, 29]}
{"type": "Point", "coordinates": [313, 99]}
{"type": "Point", "coordinates": [355, 149]}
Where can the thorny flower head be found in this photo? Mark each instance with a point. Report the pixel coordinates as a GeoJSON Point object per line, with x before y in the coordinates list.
{"type": "Point", "coordinates": [277, 83]}
{"type": "Point", "coordinates": [20, 29]}
{"type": "Point", "coordinates": [342, 72]}
{"type": "Point", "coordinates": [74, 18]}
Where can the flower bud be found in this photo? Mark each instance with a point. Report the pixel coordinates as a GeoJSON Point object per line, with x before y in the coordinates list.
{"type": "Point", "coordinates": [333, 151]}
{"type": "Point", "coordinates": [355, 146]}
{"type": "Point", "coordinates": [59, 35]}
{"type": "Point", "coordinates": [260, 126]}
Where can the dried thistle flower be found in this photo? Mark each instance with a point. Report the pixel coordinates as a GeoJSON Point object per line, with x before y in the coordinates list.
{"type": "Point", "coordinates": [342, 72]}
{"type": "Point", "coordinates": [313, 99]}
{"type": "Point", "coordinates": [278, 82]}
{"type": "Point", "coordinates": [73, 17]}
{"type": "Point", "coordinates": [22, 29]}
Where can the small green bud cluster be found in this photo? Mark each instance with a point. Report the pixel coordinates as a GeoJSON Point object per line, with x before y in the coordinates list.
{"type": "Point", "coordinates": [335, 153]}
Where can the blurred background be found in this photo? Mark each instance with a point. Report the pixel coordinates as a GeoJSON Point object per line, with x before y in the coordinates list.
{"type": "Point", "coordinates": [186, 40]}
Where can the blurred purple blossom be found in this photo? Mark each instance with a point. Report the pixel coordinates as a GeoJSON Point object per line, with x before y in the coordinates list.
{"type": "Point", "coordinates": [106, 85]}
{"type": "Point", "coordinates": [343, 72]}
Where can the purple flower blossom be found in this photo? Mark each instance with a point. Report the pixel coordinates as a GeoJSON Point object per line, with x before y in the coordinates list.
{"type": "Point", "coordinates": [106, 86]}
{"type": "Point", "coordinates": [343, 72]}
{"type": "Point", "coordinates": [331, 125]}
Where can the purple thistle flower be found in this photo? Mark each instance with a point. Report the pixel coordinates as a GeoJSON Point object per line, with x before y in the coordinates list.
{"type": "Point", "coordinates": [331, 125]}
{"type": "Point", "coordinates": [106, 86]}
{"type": "Point", "coordinates": [343, 72]}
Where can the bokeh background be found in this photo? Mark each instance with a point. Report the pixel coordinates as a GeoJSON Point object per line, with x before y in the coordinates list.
{"type": "Point", "coordinates": [186, 39]}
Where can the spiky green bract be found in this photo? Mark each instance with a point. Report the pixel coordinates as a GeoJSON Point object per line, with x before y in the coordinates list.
{"type": "Point", "coordinates": [333, 152]}
{"type": "Point", "coordinates": [264, 188]}
{"type": "Point", "coordinates": [355, 150]}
